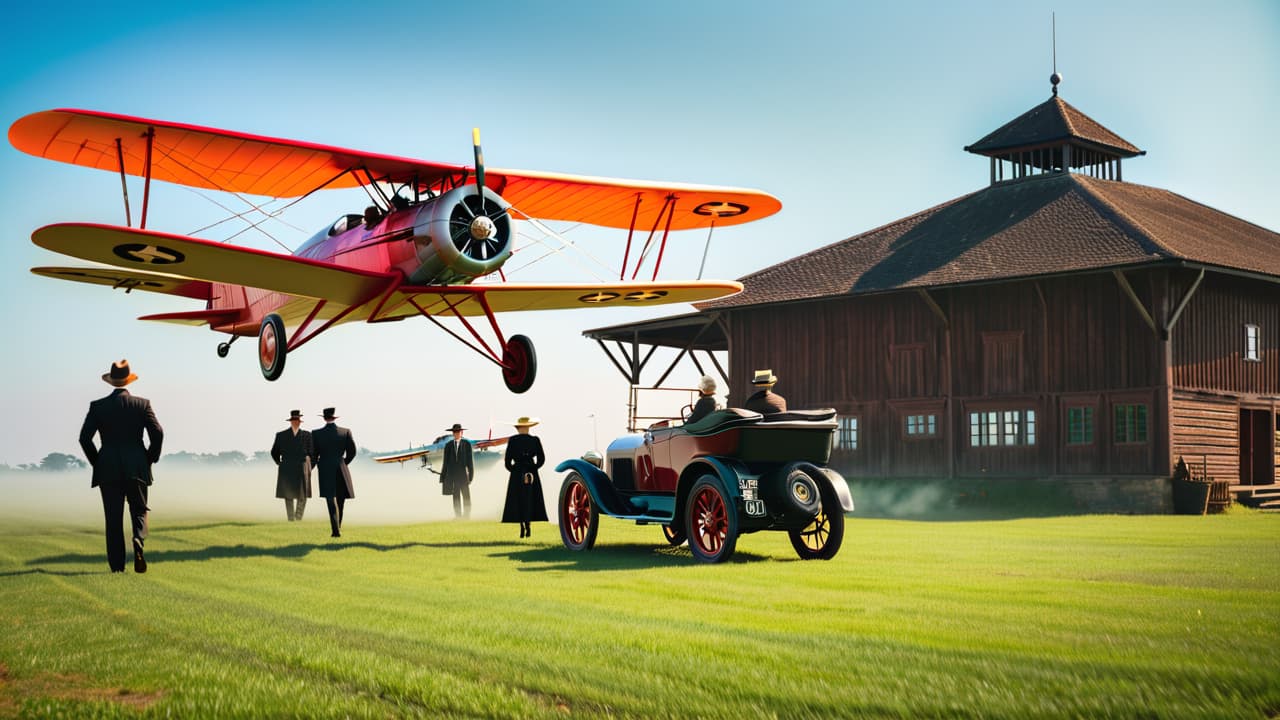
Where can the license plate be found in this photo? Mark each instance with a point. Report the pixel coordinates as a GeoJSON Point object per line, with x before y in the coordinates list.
{"type": "Point", "coordinates": [754, 507]}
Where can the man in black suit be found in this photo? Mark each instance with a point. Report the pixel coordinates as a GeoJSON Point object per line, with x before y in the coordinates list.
{"type": "Point", "coordinates": [334, 450]}
{"type": "Point", "coordinates": [122, 467]}
{"type": "Point", "coordinates": [456, 472]}
{"type": "Point", "coordinates": [292, 451]}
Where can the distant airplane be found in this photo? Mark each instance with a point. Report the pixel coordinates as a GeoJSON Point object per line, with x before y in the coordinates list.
{"type": "Point", "coordinates": [481, 452]}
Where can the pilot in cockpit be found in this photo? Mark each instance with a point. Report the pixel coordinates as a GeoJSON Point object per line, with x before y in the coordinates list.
{"type": "Point", "coordinates": [372, 216]}
{"type": "Point", "coordinates": [400, 202]}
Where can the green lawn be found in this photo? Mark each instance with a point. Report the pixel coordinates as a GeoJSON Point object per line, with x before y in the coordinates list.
{"type": "Point", "coordinates": [1090, 616]}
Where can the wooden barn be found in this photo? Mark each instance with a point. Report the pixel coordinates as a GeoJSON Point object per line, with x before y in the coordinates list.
{"type": "Point", "coordinates": [1059, 324]}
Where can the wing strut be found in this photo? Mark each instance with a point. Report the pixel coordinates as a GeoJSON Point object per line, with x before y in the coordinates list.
{"type": "Point", "coordinates": [626, 255]}
{"type": "Point", "coordinates": [124, 186]}
{"type": "Point", "coordinates": [668, 204]}
{"type": "Point", "coordinates": [146, 183]}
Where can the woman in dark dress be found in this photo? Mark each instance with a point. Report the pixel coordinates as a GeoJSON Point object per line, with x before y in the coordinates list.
{"type": "Point", "coordinates": [524, 489]}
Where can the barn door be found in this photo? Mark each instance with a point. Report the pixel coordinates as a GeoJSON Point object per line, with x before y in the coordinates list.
{"type": "Point", "coordinates": [1257, 456]}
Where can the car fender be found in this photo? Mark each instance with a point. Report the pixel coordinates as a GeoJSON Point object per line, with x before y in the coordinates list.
{"type": "Point", "coordinates": [726, 470]}
{"type": "Point", "coordinates": [593, 477]}
{"type": "Point", "coordinates": [838, 484]}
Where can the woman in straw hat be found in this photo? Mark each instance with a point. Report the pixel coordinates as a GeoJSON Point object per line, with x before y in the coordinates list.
{"type": "Point", "coordinates": [524, 489]}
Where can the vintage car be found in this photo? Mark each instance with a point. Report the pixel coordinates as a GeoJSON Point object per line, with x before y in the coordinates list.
{"type": "Point", "coordinates": [730, 473]}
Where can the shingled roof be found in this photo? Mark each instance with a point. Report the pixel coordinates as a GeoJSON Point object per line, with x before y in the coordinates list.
{"type": "Point", "coordinates": [1052, 121]}
{"type": "Point", "coordinates": [1048, 225]}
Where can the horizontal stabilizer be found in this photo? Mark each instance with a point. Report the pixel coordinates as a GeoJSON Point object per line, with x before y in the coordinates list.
{"type": "Point", "coordinates": [129, 280]}
{"type": "Point", "coordinates": [178, 255]}
{"type": "Point", "coordinates": [196, 317]}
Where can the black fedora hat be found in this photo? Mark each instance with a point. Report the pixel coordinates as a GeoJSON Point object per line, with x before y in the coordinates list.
{"type": "Point", "coordinates": [295, 415]}
{"type": "Point", "coordinates": [329, 414]}
{"type": "Point", "coordinates": [119, 376]}
{"type": "Point", "coordinates": [457, 427]}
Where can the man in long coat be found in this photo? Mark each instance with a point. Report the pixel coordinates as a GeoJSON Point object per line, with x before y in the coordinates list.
{"type": "Point", "coordinates": [122, 467]}
{"type": "Point", "coordinates": [456, 472]}
{"type": "Point", "coordinates": [334, 450]}
{"type": "Point", "coordinates": [292, 451]}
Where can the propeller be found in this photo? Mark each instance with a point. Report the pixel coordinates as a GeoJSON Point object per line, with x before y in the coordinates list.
{"type": "Point", "coordinates": [479, 227]}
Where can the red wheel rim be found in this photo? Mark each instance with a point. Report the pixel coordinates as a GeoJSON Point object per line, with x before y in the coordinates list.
{"type": "Point", "coordinates": [515, 364]}
{"type": "Point", "coordinates": [577, 512]}
{"type": "Point", "coordinates": [815, 535]}
{"type": "Point", "coordinates": [267, 346]}
{"type": "Point", "coordinates": [710, 521]}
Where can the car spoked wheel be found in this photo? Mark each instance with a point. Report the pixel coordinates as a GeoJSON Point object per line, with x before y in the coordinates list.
{"type": "Point", "coordinates": [579, 520]}
{"type": "Point", "coordinates": [674, 534]}
{"type": "Point", "coordinates": [821, 539]}
{"type": "Point", "coordinates": [712, 521]}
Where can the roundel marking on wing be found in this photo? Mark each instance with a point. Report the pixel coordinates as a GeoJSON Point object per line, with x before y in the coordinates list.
{"type": "Point", "coordinates": [599, 297]}
{"type": "Point", "coordinates": [148, 254]}
{"type": "Point", "coordinates": [644, 295]}
{"type": "Point", "coordinates": [720, 208]}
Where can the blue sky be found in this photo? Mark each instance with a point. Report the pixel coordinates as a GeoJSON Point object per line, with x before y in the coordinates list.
{"type": "Point", "coordinates": [853, 114]}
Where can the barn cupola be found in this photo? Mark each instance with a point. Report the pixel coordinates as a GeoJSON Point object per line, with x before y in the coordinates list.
{"type": "Point", "coordinates": [1053, 137]}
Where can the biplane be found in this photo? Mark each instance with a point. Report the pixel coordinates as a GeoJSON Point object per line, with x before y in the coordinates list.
{"type": "Point", "coordinates": [432, 243]}
{"type": "Point", "coordinates": [482, 451]}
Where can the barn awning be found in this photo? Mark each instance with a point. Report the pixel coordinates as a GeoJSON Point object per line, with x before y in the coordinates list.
{"type": "Point", "coordinates": [688, 333]}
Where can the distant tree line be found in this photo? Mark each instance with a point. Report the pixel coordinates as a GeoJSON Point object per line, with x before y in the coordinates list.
{"type": "Point", "coordinates": [60, 462]}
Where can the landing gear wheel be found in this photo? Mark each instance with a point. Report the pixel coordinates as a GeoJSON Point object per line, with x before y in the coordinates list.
{"type": "Point", "coordinates": [712, 521]}
{"type": "Point", "coordinates": [223, 349]}
{"type": "Point", "coordinates": [579, 520]}
{"type": "Point", "coordinates": [272, 346]}
{"type": "Point", "coordinates": [519, 363]}
{"type": "Point", "coordinates": [821, 539]}
{"type": "Point", "coordinates": [674, 534]}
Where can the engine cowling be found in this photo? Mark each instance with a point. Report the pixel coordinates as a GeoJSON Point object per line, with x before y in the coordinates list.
{"type": "Point", "coordinates": [460, 236]}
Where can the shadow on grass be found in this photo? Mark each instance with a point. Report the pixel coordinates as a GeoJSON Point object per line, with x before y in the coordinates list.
{"type": "Point", "coordinates": [60, 573]}
{"type": "Point", "coordinates": [240, 552]}
{"type": "Point", "coordinates": [614, 557]}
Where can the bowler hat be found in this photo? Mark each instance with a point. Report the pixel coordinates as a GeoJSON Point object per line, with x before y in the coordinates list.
{"type": "Point", "coordinates": [457, 427]}
{"type": "Point", "coordinates": [764, 377]}
{"type": "Point", "coordinates": [119, 375]}
{"type": "Point", "coordinates": [329, 414]}
{"type": "Point", "coordinates": [295, 415]}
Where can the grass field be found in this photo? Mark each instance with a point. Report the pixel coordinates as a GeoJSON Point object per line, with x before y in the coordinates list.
{"type": "Point", "coordinates": [1093, 616]}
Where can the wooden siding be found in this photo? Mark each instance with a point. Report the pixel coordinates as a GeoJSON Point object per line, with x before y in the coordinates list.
{"type": "Point", "coordinates": [1042, 345]}
{"type": "Point", "coordinates": [1206, 434]}
{"type": "Point", "coordinates": [1208, 341]}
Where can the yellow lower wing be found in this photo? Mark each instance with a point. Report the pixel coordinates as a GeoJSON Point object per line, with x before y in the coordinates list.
{"type": "Point", "coordinates": [469, 300]}
{"type": "Point", "coordinates": [179, 255]}
{"type": "Point", "coordinates": [129, 280]}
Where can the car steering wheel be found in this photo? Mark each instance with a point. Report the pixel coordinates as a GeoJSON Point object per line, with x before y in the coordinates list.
{"type": "Point", "coordinates": [685, 412]}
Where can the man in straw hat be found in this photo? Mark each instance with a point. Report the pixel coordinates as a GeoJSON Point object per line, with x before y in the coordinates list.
{"type": "Point", "coordinates": [457, 471]}
{"type": "Point", "coordinates": [292, 451]}
{"type": "Point", "coordinates": [335, 448]}
{"type": "Point", "coordinates": [706, 403]}
{"type": "Point", "coordinates": [765, 401]}
{"type": "Point", "coordinates": [122, 466]}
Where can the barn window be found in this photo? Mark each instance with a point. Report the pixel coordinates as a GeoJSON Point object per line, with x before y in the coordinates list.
{"type": "Point", "coordinates": [922, 426]}
{"type": "Point", "coordinates": [847, 433]}
{"type": "Point", "coordinates": [1251, 343]}
{"type": "Point", "coordinates": [1131, 423]}
{"type": "Point", "coordinates": [1002, 427]}
{"type": "Point", "coordinates": [1080, 426]}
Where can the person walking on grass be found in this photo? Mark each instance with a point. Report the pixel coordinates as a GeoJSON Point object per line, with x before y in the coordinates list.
{"type": "Point", "coordinates": [524, 489]}
{"type": "Point", "coordinates": [335, 448]}
{"type": "Point", "coordinates": [456, 472]}
{"type": "Point", "coordinates": [292, 451]}
{"type": "Point", "coordinates": [122, 466]}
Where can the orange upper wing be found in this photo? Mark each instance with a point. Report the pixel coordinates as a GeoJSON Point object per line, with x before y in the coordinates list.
{"type": "Point", "coordinates": [238, 162]}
